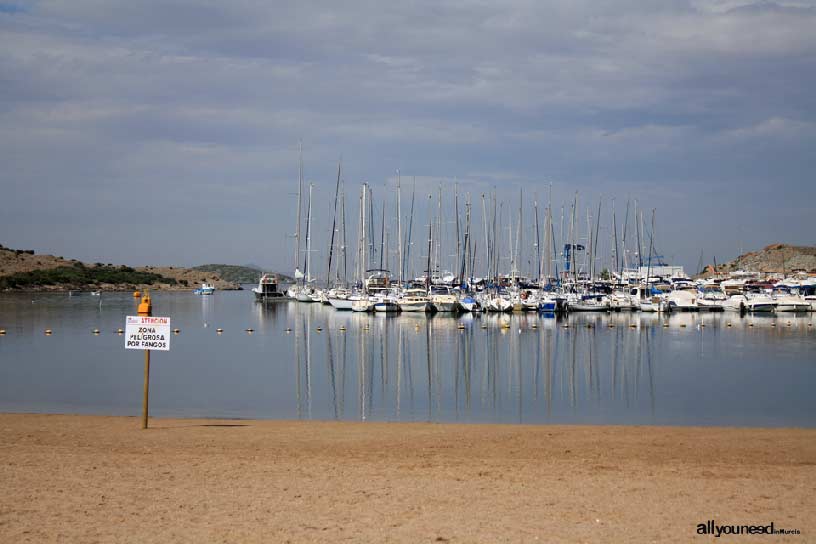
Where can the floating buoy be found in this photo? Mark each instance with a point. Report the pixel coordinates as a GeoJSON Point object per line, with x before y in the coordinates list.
{"type": "Point", "coordinates": [750, 324]}
{"type": "Point", "coordinates": [611, 325]}
{"type": "Point", "coordinates": [219, 331]}
{"type": "Point", "coordinates": [728, 324]}
{"type": "Point", "coordinates": [633, 326]}
{"type": "Point", "coordinates": [342, 328]}
{"type": "Point", "coordinates": [250, 331]}
{"type": "Point", "coordinates": [47, 331]}
{"type": "Point", "coordinates": [319, 329]}
{"type": "Point", "coordinates": [2, 332]}
{"type": "Point", "coordinates": [702, 324]}
{"type": "Point", "coordinates": [95, 331]}
{"type": "Point", "coordinates": [534, 326]}
{"type": "Point", "coordinates": [136, 294]}
{"type": "Point", "coordinates": [682, 325]}
{"type": "Point", "coordinates": [120, 331]}
{"type": "Point", "coordinates": [176, 331]}
{"type": "Point", "coordinates": [665, 325]}
{"type": "Point", "coordinates": [789, 323]}
{"type": "Point", "coordinates": [460, 326]}
{"type": "Point", "coordinates": [566, 325]}
{"type": "Point", "coordinates": [484, 325]}
{"type": "Point", "coordinates": [773, 324]}
{"type": "Point", "coordinates": [288, 331]}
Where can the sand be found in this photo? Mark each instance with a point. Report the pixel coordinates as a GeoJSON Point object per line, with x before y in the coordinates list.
{"type": "Point", "coordinates": [102, 479]}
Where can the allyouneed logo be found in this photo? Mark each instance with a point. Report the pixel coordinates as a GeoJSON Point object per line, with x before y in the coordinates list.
{"type": "Point", "coordinates": [711, 528]}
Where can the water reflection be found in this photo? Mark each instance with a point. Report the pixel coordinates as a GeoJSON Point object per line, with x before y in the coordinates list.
{"type": "Point", "coordinates": [310, 361]}
{"type": "Point", "coordinates": [522, 368]}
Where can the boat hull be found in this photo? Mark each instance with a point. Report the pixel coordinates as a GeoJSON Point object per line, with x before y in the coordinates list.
{"type": "Point", "coordinates": [342, 304]}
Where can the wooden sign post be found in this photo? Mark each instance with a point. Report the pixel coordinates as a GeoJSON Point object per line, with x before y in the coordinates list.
{"type": "Point", "coordinates": [148, 333]}
{"type": "Point", "coordinates": [146, 310]}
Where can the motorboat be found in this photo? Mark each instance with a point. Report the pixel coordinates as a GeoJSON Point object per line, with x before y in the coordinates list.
{"type": "Point", "coordinates": [205, 289]}
{"type": "Point", "coordinates": [414, 300]}
{"type": "Point", "coordinates": [267, 289]}
{"type": "Point", "coordinates": [760, 303]}
{"type": "Point", "coordinates": [734, 303]}
{"type": "Point", "coordinates": [792, 303]}
{"type": "Point", "coordinates": [442, 299]}
{"type": "Point", "coordinates": [682, 300]}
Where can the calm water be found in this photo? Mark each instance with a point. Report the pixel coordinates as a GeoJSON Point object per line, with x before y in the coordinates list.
{"type": "Point", "coordinates": [587, 368]}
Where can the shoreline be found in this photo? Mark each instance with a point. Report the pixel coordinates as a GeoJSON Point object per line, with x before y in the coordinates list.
{"type": "Point", "coordinates": [82, 477]}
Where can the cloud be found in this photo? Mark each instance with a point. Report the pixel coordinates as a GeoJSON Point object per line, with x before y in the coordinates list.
{"type": "Point", "coordinates": [209, 101]}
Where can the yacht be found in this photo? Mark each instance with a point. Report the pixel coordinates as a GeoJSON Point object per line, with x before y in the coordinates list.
{"type": "Point", "coordinates": [414, 300]}
{"type": "Point", "coordinates": [792, 303]}
{"type": "Point", "coordinates": [682, 300]}
{"type": "Point", "coordinates": [268, 289]}
{"type": "Point", "coordinates": [442, 299]}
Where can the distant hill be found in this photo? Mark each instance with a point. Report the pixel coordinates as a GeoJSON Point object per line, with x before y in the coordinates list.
{"type": "Point", "coordinates": [24, 269]}
{"type": "Point", "coordinates": [232, 272]}
{"type": "Point", "coordinates": [781, 258]}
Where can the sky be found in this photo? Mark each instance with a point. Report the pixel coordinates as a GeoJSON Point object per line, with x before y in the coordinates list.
{"type": "Point", "coordinates": [167, 133]}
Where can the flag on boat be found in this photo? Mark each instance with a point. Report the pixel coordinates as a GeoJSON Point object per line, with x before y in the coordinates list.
{"type": "Point", "coordinates": [298, 274]}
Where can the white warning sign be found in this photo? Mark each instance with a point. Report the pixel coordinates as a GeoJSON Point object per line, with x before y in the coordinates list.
{"type": "Point", "coordinates": [147, 333]}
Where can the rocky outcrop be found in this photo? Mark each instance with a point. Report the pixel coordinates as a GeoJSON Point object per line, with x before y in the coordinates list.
{"type": "Point", "coordinates": [775, 258]}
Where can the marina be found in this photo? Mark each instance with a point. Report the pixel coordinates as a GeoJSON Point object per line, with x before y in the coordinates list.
{"type": "Point", "coordinates": [237, 358]}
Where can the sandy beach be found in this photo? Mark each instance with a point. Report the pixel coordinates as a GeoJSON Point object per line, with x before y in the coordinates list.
{"type": "Point", "coordinates": [102, 479]}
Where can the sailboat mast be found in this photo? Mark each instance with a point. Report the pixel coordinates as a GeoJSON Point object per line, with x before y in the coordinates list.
{"type": "Point", "coordinates": [456, 215]}
{"type": "Point", "coordinates": [487, 239]}
{"type": "Point", "coordinates": [399, 228]}
{"type": "Point", "coordinates": [299, 204]}
{"type": "Point", "coordinates": [343, 222]}
{"type": "Point", "coordinates": [334, 224]}
{"type": "Point", "coordinates": [430, 242]}
{"type": "Point", "coordinates": [309, 238]}
{"type": "Point", "coordinates": [382, 235]}
{"type": "Point", "coordinates": [624, 263]}
{"type": "Point", "coordinates": [595, 238]}
{"type": "Point", "coordinates": [615, 234]}
{"type": "Point", "coordinates": [410, 230]}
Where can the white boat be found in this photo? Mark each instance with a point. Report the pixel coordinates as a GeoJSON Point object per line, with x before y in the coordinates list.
{"type": "Point", "coordinates": [306, 294]}
{"type": "Point", "coordinates": [205, 289]}
{"type": "Point", "coordinates": [592, 304]}
{"type": "Point", "coordinates": [342, 304]}
{"type": "Point", "coordinates": [792, 303]}
{"type": "Point", "coordinates": [268, 289]}
{"type": "Point", "coordinates": [442, 299]}
{"type": "Point", "coordinates": [682, 300]}
{"type": "Point", "coordinates": [96, 293]}
{"type": "Point", "coordinates": [498, 303]}
{"type": "Point", "coordinates": [734, 303]}
{"type": "Point", "coordinates": [362, 305]}
{"type": "Point", "coordinates": [760, 303]}
{"type": "Point", "coordinates": [621, 302]}
{"type": "Point", "coordinates": [651, 304]}
{"type": "Point", "coordinates": [470, 304]}
{"type": "Point", "coordinates": [414, 300]}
